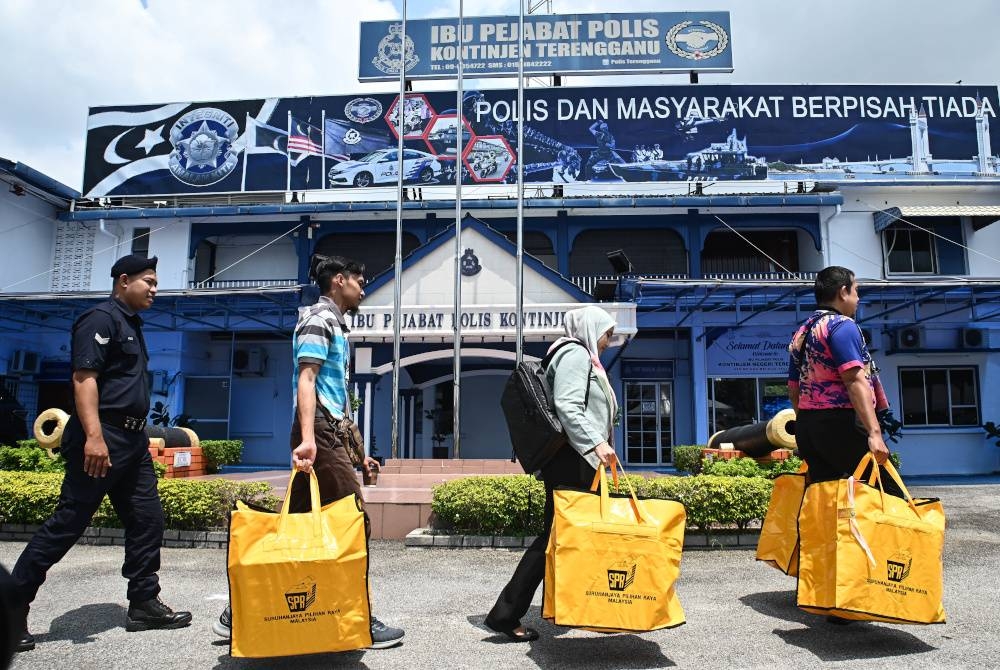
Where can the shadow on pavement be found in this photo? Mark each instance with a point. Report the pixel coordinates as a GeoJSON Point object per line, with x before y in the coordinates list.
{"type": "Point", "coordinates": [347, 659]}
{"type": "Point", "coordinates": [829, 642]}
{"type": "Point", "coordinates": [616, 650]}
{"type": "Point", "coordinates": [83, 625]}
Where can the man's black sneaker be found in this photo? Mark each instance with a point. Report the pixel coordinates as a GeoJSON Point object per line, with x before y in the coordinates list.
{"type": "Point", "coordinates": [223, 626]}
{"type": "Point", "coordinates": [384, 636]}
{"type": "Point", "coordinates": [26, 642]}
{"type": "Point", "coordinates": [152, 614]}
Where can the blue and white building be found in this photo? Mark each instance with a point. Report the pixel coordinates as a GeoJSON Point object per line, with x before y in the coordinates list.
{"type": "Point", "coordinates": [704, 313]}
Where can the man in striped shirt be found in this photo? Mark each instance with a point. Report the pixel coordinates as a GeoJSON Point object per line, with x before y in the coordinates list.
{"type": "Point", "coordinates": [322, 362]}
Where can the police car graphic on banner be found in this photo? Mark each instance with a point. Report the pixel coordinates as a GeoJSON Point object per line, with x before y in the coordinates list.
{"type": "Point", "coordinates": [381, 167]}
{"type": "Point", "coordinates": [203, 146]}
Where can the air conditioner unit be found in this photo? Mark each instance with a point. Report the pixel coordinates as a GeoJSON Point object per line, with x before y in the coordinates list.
{"type": "Point", "coordinates": [873, 339]}
{"type": "Point", "coordinates": [250, 361]}
{"type": "Point", "coordinates": [24, 362]}
{"type": "Point", "coordinates": [910, 337]}
{"type": "Point", "coordinates": [972, 338]}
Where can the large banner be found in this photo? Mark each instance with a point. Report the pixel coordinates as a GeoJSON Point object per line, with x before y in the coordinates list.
{"type": "Point", "coordinates": [571, 135]}
{"type": "Point", "coordinates": [565, 44]}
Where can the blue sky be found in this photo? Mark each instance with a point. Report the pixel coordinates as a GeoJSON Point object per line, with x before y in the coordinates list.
{"type": "Point", "coordinates": [74, 55]}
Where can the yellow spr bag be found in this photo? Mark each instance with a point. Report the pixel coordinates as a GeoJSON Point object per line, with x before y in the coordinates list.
{"type": "Point", "coordinates": [298, 583]}
{"type": "Point", "coordinates": [868, 555]}
{"type": "Point", "coordinates": [778, 545]}
{"type": "Point", "coordinates": [612, 561]}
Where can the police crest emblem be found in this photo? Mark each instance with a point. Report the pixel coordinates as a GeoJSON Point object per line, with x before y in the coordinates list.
{"type": "Point", "coordinates": [363, 110]}
{"type": "Point", "coordinates": [203, 146]}
{"type": "Point", "coordinates": [392, 48]}
{"type": "Point", "coordinates": [470, 264]}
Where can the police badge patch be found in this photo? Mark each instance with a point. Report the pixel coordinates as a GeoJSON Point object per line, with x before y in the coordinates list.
{"type": "Point", "coordinates": [203, 146]}
{"type": "Point", "coordinates": [363, 110]}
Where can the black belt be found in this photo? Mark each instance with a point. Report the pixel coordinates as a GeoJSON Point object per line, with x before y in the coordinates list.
{"type": "Point", "coordinates": [133, 424]}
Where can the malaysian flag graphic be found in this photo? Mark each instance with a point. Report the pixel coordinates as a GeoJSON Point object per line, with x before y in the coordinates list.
{"type": "Point", "coordinates": [305, 138]}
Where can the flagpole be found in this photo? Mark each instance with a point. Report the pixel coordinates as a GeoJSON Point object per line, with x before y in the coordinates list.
{"type": "Point", "coordinates": [519, 279]}
{"type": "Point", "coordinates": [288, 155]}
{"type": "Point", "coordinates": [246, 150]}
{"type": "Point", "coordinates": [457, 327]}
{"type": "Point", "coordinates": [397, 310]}
{"type": "Point", "coordinates": [322, 130]}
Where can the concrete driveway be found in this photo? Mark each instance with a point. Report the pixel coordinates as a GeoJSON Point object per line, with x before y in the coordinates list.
{"type": "Point", "coordinates": [741, 614]}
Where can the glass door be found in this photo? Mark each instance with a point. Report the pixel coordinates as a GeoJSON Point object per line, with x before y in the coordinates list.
{"type": "Point", "coordinates": [649, 423]}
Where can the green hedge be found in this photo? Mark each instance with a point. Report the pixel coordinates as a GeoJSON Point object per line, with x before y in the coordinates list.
{"type": "Point", "coordinates": [36, 459]}
{"type": "Point", "coordinates": [29, 459]}
{"type": "Point", "coordinates": [30, 498]}
{"type": "Point", "coordinates": [221, 452]}
{"type": "Point", "coordinates": [687, 458]}
{"type": "Point", "coordinates": [514, 504]}
{"type": "Point", "coordinates": [495, 505]}
{"type": "Point", "coordinates": [748, 467]}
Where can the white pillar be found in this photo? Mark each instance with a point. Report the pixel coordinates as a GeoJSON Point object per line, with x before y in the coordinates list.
{"type": "Point", "coordinates": [368, 419]}
{"type": "Point", "coordinates": [412, 433]}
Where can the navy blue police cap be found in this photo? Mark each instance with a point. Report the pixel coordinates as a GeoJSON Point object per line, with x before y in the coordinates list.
{"type": "Point", "coordinates": [132, 264]}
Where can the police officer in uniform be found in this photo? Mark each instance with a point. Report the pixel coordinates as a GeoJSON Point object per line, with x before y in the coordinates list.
{"type": "Point", "coordinates": [107, 453]}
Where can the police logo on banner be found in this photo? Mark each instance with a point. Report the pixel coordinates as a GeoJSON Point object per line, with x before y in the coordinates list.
{"type": "Point", "coordinates": [391, 47]}
{"type": "Point", "coordinates": [697, 40]}
{"type": "Point", "coordinates": [363, 110]}
{"type": "Point", "coordinates": [203, 146]}
{"type": "Point", "coordinates": [352, 137]}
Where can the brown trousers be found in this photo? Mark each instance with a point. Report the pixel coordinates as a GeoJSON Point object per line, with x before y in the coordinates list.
{"type": "Point", "coordinates": [337, 476]}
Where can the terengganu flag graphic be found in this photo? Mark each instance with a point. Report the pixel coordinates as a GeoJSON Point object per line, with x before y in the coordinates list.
{"type": "Point", "coordinates": [265, 139]}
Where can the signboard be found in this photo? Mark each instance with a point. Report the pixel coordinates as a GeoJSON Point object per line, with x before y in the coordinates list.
{"type": "Point", "coordinates": [633, 368]}
{"type": "Point", "coordinates": [613, 135]}
{"type": "Point", "coordinates": [182, 459]}
{"type": "Point", "coordinates": [748, 352]}
{"type": "Point", "coordinates": [490, 322]}
{"type": "Point", "coordinates": [564, 44]}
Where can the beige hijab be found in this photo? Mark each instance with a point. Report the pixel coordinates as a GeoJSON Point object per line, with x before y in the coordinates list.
{"type": "Point", "coordinates": [586, 325]}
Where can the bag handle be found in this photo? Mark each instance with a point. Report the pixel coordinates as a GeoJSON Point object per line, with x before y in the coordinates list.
{"type": "Point", "coordinates": [877, 476]}
{"type": "Point", "coordinates": [600, 482]}
{"type": "Point", "coordinates": [314, 498]}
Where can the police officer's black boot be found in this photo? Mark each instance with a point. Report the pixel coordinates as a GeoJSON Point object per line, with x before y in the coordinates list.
{"type": "Point", "coordinates": [152, 614]}
{"type": "Point", "coordinates": [25, 640]}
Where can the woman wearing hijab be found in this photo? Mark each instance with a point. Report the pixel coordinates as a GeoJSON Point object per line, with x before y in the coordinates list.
{"type": "Point", "coordinates": [587, 407]}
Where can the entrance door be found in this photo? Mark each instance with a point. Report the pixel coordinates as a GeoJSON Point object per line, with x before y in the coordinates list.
{"type": "Point", "coordinates": [649, 423]}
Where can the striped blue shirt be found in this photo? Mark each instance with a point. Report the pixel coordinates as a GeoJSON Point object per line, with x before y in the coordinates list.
{"type": "Point", "coordinates": [321, 339]}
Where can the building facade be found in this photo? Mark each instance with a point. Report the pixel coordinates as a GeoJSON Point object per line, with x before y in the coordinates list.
{"type": "Point", "coordinates": [716, 285]}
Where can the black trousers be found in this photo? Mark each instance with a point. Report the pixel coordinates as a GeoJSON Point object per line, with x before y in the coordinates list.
{"type": "Point", "coordinates": [568, 468]}
{"type": "Point", "coordinates": [832, 445]}
{"type": "Point", "coordinates": [131, 486]}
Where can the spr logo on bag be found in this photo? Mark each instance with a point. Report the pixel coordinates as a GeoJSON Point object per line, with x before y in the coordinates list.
{"type": "Point", "coordinates": [620, 578]}
{"type": "Point", "coordinates": [301, 596]}
{"type": "Point", "coordinates": [897, 566]}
